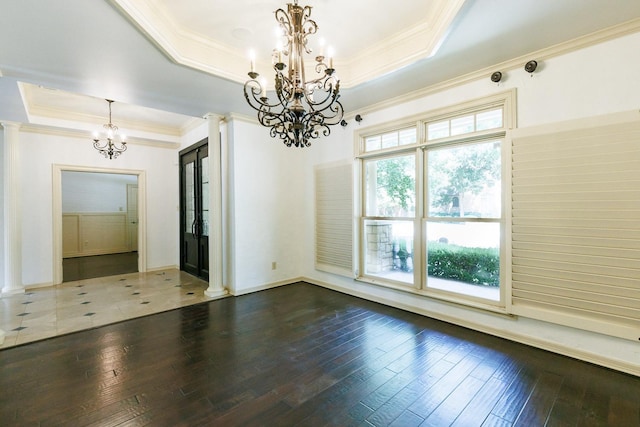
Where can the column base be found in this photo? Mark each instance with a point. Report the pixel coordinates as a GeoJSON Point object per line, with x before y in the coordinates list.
{"type": "Point", "coordinates": [216, 293]}
{"type": "Point", "coordinates": [11, 291]}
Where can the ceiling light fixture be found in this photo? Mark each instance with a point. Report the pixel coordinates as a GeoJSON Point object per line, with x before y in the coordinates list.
{"type": "Point", "coordinates": [110, 149]}
{"type": "Point", "coordinates": [303, 110]}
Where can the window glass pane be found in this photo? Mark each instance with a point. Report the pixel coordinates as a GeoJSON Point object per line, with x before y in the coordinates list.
{"type": "Point", "coordinates": [462, 125]}
{"type": "Point", "coordinates": [407, 136]}
{"type": "Point", "coordinates": [464, 181]}
{"type": "Point", "coordinates": [372, 143]}
{"type": "Point", "coordinates": [438, 130]}
{"type": "Point", "coordinates": [389, 249]}
{"type": "Point", "coordinates": [390, 140]}
{"type": "Point", "coordinates": [204, 172]}
{"type": "Point", "coordinates": [391, 186]}
{"type": "Point", "coordinates": [489, 119]}
{"type": "Point", "coordinates": [189, 197]}
{"type": "Point", "coordinates": [464, 257]}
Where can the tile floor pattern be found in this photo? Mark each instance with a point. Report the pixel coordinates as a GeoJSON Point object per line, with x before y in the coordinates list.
{"type": "Point", "coordinates": [46, 312]}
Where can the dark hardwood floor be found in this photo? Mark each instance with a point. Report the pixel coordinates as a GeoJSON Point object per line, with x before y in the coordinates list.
{"type": "Point", "coordinates": [88, 267]}
{"type": "Point", "coordinates": [308, 356]}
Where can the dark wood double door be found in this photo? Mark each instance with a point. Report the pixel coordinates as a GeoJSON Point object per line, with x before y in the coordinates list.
{"type": "Point", "coordinates": [194, 210]}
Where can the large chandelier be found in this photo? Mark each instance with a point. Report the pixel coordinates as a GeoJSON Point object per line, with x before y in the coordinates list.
{"type": "Point", "coordinates": [110, 149]}
{"type": "Point", "coordinates": [303, 109]}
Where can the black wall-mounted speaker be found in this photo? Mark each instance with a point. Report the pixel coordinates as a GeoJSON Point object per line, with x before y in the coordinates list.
{"type": "Point", "coordinates": [530, 66]}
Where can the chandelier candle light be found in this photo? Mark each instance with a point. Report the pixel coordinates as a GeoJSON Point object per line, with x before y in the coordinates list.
{"type": "Point", "coordinates": [110, 149]}
{"type": "Point", "coordinates": [303, 110]}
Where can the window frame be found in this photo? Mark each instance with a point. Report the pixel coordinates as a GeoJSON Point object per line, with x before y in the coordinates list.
{"type": "Point", "coordinates": [504, 100]}
{"type": "Point", "coordinates": [362, 259]}
{"type": "Point", "coordinates": [426, 218]}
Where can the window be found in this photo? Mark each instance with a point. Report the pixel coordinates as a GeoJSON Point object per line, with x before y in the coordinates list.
{"type": "Point", "coordinates": [432, 206]}
{"type": "Point", "coordinates": [390, 210]}
{"type": "Point", "coordinates": [463, 219]}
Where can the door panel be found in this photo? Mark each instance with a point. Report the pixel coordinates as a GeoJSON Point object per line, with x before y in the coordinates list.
{"type": "Point", "coordinates": [194, 210]}
{"type": "Point", "coordinates": [132, 217]}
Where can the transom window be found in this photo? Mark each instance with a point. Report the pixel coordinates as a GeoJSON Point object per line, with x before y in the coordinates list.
{"type": "Point", "coordinates": [465, 124]}
{"type": "Point", "coordinates": [396, 138]}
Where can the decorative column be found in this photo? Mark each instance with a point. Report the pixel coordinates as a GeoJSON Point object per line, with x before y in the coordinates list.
{"type": "Point", "coordinates": [12, 211]}
{"type": "Point", "coordinates": [216, 287]}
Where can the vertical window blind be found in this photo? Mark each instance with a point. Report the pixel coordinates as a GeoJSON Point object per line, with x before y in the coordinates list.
{"type": "Point", "coordinates": [334, 219]}
{"type": "Point", "coordinates": [576, 228]}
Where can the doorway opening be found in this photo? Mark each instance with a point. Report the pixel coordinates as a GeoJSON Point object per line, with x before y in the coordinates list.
{"type": "Point", "coordinates": [99, 222]}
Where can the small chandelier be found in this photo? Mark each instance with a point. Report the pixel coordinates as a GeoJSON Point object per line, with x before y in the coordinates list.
{"type": "Point", "coordinates": [110, 149]}
{"type": "Point", "coordinates": [303, 109]}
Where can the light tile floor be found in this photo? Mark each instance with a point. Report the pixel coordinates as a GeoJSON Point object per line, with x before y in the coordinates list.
{"type": "Point", "coordinates": [46, 312]}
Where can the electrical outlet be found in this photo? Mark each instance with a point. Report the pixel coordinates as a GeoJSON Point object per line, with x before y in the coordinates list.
{"type": "Point", "coordinates": [274, 265]}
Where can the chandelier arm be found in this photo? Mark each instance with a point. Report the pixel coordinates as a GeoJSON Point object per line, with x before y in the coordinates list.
{"type": "Point", "coordinates": [109, 149]}
{"type": "Point", "coordinates": [330, 115]}
{"type": "Point", "coordinates": [284, 20]}
{"type": "Point", "coordinates": [285, 90]}
{"type": "Point", "coordinates": [309, 27]}
{"type": "Point", "coordinates": [253, 95]}
{"type": "Point", "coordinates": [326, 104]}
{"type": "Point", "coordinates": [318, 105]}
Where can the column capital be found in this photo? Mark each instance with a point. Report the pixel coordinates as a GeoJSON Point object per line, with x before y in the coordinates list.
{"type": "Point", "coordinates": [213, 116]}
{"type": "Point", "coordinates": [9, 125]}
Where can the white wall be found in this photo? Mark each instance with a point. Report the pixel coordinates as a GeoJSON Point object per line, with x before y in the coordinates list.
{"type": "Point", "coordinates": [594, 81]}
{"type": "Point", "coordinates": [39, 151]}
{"type": "Point", "coordinates": [266, 203]}
{"type": "Point", "coordinates": [95, 192]}
{"type": "Point", "coordinates": [2, 198]}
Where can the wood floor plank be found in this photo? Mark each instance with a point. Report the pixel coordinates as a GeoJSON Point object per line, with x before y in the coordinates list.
{"type": "Point", "coordinates": [302, 355]}
{"type": "Point", "coordinates": [435, 395]}
{"type": "Point", "coordinates": [451, 408]}
{"type": "Point", "coordinates": [515, 397]}
{"type": "Point", "coordinates": [536, 410]}
{"type": "Point", "coordinates": [481, 404]}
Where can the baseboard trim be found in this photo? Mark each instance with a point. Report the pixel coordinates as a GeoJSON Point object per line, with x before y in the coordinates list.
{"type": "Point", "coordinates": [269, 286]}
{"type": "Point", "coordinates": [167, 267]}
{"type": "Point", "coordinates": [553, 347]}
{"type": "Point", "coordinates": [39, 285]}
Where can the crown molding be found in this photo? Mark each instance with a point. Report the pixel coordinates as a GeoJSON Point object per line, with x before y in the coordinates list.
{"type": "Point", "coordinates": [181, 46]}
{"type": "Point", "coordinates": [35, 112]}
{"type": "Point", "coordinates": [241, 118]}
{"type": "Point", "coordinates": [76, 118]}
{"type": "Point", "coordinates": [421, 41]}
{"type": "Point", "coordinates": [598, 37]}
{"type": "Point", "coordinates": [77, 133]}
{"type": "Point", "coordinates": [192, 124]}
{"type": "Point", "coordinates": [193, 50]}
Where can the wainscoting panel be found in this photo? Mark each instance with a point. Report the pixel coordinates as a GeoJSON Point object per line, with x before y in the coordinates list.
{"type": "Point", "coordinates": [85, 234]}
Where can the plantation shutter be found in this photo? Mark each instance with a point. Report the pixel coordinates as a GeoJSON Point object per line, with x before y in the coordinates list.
{"type": "Point", "coordinates": [334, 219]}
{"type": "Point", "coordinates": [576, 228]}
